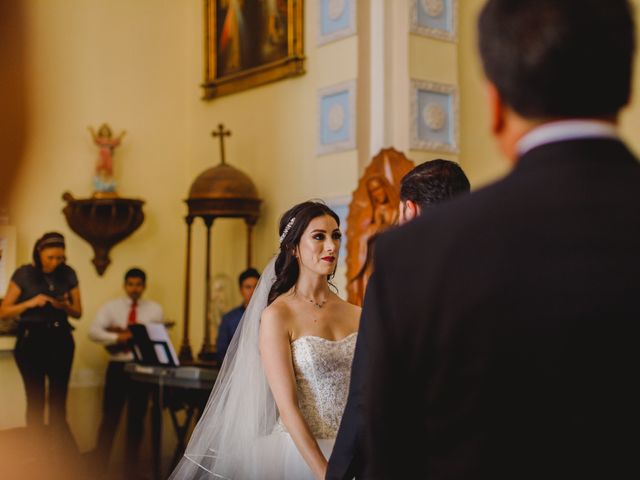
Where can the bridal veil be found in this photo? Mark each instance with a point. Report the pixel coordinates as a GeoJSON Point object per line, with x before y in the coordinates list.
{"type": "Point", "coordinates": [240, 411]}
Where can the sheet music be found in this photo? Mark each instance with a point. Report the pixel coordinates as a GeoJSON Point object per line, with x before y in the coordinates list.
{"type": "Point", "coordinates": [158, 333]}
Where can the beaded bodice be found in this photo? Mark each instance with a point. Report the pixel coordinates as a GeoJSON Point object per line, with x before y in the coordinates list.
{"type": "Point", "coordinates": [323, 370]}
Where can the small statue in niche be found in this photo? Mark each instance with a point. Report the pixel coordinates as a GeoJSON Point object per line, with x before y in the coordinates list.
{"type": "Point", "coordinates": [103, 181]}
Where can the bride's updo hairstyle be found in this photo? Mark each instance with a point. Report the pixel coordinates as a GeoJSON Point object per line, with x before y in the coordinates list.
{"type": "Point", "coordinates": [292, 225]}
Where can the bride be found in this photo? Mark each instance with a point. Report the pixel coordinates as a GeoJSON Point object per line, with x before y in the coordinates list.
{"type": "Point", "coordinates": [275, 409]}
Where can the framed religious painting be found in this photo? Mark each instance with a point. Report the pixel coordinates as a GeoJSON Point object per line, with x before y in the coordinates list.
{"type": "Point", "coordinates": [250, 43]}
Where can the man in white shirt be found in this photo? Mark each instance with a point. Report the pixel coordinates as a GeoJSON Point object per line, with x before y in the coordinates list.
{"type": "Point", "coordinates": [110, 328]}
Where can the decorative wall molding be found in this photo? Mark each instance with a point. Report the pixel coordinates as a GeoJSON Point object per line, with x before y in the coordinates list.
{"type": "Point", "coordinates": [434, 18]}
{"type": "Point", "coordinates": [337, 118]}
{"type": "Point", "coordinates": [434, 117]}
{"type": "Point", "coordinates": [336, 20]}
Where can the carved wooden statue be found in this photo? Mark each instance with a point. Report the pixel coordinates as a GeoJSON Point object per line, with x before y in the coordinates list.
{"type": "Point", "coordinates": [373, 209]}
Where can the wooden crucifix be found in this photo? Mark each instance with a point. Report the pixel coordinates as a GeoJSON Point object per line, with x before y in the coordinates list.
{"type": "Point", "coordinates": [221, 132]}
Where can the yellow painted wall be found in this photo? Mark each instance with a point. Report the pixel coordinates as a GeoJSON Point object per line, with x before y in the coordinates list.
{"type": "Point", "coordinates": [121, 62]}
{"type": "Point", "coordinates": [479, 156]}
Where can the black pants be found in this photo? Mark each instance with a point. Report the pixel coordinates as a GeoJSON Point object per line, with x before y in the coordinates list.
{"type": "Point", "coordinates": [45, 353]}
{"type": "Point", "coordinates": [118, 390]}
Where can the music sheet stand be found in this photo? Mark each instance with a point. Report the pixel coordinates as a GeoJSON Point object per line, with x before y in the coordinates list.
{"type": "Point", "coordinates": [155, 350]}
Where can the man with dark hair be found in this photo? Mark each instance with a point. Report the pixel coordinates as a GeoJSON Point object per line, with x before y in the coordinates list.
{"type": "Point", "coordinates": [430, 183]}
{"type": "Point", "coordinates": [110, 328]}
{"type": "Point", "coordinates": [247, 282]}
{"type": "Point", "coordinates": [504, 325]}
{"type": "Point", "coordinates": [421, 189]}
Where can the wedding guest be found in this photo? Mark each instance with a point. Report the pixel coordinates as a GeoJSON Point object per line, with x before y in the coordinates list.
{"type": "Point", "coordinates": [44, 294]}
{"type": "Point", "coordinates": [247, 282]}
{"type": "Point", "coordinates": [110, 328]}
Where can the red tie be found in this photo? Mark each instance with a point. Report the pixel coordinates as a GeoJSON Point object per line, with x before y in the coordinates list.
{"type": "Point", "coordinates": [133, 313]}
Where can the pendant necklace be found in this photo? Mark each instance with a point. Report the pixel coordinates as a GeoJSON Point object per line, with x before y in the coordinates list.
{"type": "Point", "coordinates": [316, 304]}
{"type": "Point", "coordinates": [50, 284]}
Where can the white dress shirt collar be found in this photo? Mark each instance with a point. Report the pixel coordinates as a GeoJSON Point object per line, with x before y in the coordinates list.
{"type": "Point", "coordinates": [565, 130]}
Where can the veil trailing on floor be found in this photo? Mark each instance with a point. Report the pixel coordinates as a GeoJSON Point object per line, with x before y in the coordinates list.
{"type": "Point", "coordinates": [241, 409]}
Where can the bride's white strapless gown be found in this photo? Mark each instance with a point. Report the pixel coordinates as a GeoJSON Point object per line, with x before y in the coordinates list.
{"type": "Point", "coordinates": [323, 371]}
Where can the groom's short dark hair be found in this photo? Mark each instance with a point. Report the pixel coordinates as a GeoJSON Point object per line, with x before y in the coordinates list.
{"type": "Point", "coordinates": [433, 182]}
{"type": "Point", "coordinates": [559, 58]}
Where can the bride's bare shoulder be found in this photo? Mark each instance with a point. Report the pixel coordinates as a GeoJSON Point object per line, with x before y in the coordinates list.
{"type": "Point", "coordinates": [349, 310]}
{"type": "Point", "coordinates": [278, 313]}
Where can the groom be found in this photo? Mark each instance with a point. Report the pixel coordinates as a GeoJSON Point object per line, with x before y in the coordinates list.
{"type": "Point", "coordinates": [504, 327]}
{"type": "Point", "coordinates": [423, 187]}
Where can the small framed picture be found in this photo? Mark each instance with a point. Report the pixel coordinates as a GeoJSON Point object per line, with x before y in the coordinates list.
{"type": "Point", "coordinates": [434, 18]}
{"type": "Point", "coordinates": [337, 118]}
{"type": "Point", "coordinates": [434, 117]}
{"type": "Point", "coordinates": [337, 19]}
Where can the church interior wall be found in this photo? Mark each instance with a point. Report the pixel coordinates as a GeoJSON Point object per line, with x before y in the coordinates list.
{"type": "Point", "coordinates": [138, 66]}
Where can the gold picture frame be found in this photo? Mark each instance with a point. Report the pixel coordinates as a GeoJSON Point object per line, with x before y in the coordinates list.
{"type": "Point", "coordinates": [251, 43]}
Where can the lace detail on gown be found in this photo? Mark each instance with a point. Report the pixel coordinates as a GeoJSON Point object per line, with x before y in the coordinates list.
{"type": "Point", "coordinates": [323, 371]}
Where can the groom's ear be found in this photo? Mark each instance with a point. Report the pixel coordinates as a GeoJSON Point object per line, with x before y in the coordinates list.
{"type": "Point", "coordinates": [411, 210]}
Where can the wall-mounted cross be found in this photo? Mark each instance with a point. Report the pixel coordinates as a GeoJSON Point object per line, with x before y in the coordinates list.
{"type": "Point", "coordinates": [221, 132]}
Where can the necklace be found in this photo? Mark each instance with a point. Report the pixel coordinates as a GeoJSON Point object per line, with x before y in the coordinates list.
{"type": "Point", "coordinates": [50, 283]}
{"type": "Point", "coordinates": [315, 304]}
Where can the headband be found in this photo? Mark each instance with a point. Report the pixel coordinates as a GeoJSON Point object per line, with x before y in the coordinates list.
{"type": "Point", "coordinates": [286, 229]}
{"type": "Point", "coordinates": [57, 240]}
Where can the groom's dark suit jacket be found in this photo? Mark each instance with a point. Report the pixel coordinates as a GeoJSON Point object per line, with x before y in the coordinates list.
{"type": "Point", "coordinates": [505, 326]}
{"type": "Point", "coordinates": [347, 458]}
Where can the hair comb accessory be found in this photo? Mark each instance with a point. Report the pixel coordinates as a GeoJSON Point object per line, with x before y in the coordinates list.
{"type": "Point", "coordinates": [286, 229]}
